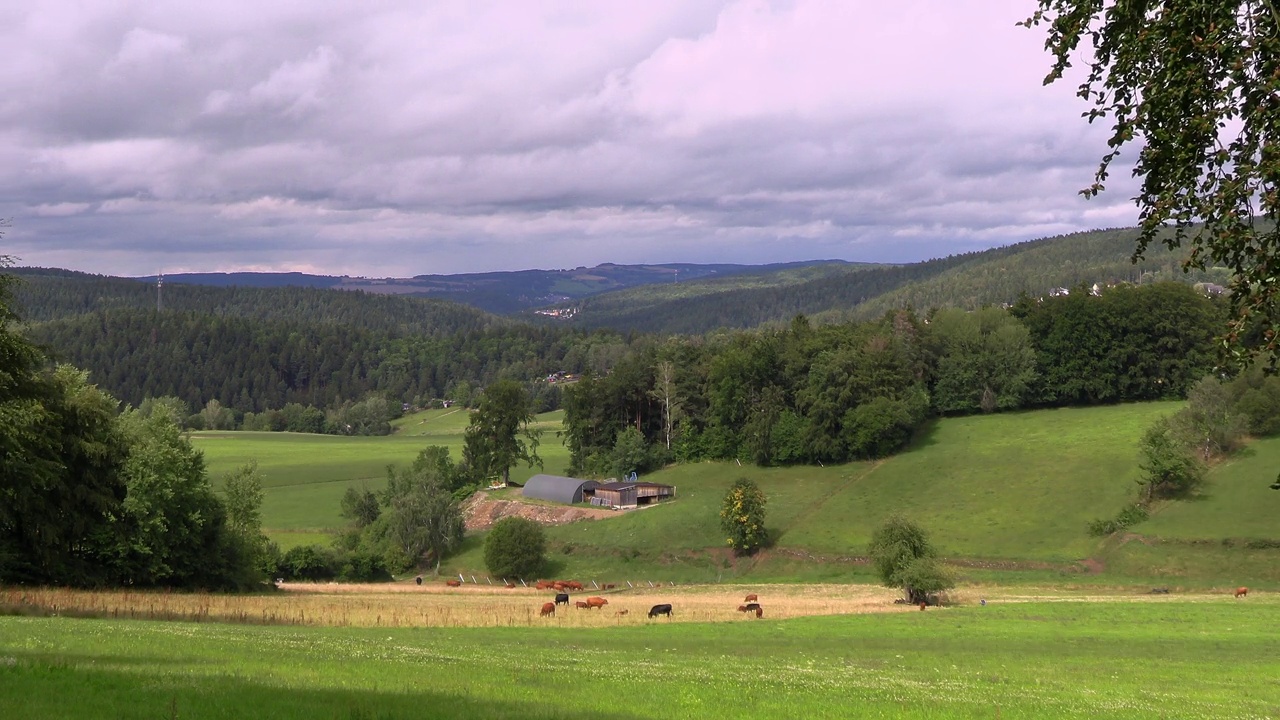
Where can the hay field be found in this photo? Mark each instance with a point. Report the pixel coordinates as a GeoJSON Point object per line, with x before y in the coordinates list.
{"type": "Point", "coordinates": [435, 605]}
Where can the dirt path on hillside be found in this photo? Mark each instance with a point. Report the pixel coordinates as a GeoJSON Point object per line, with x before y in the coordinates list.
{"type": "Point", "coordinates": [480, 511]}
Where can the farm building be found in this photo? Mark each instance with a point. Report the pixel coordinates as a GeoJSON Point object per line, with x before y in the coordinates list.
{"type": "Point", "coordinates": [559, 489]}
{"type": "Point", "coordinates": [630, 494]}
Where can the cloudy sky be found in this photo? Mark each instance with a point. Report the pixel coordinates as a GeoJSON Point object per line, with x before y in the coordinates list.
{"type": "Point", "coordinates": [400, 137]}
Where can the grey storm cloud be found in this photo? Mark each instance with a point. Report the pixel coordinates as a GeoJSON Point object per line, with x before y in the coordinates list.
{"type": "Point", "coordinates": [398, 137]}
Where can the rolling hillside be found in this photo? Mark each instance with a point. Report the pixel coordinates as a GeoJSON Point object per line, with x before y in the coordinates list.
{"type": "Point", "coordinates": [837, 294]}
{"type": "Point", "coordinates": [1004, 493]}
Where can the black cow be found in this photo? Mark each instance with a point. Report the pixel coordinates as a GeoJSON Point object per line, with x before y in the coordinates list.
{"type": "Point", "coordinates": [656, 610]}
{"type": "Point", "coordinates": [562, 598]}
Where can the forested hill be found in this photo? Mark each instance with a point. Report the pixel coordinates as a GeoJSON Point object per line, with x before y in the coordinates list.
{"type": "Point", "coordinates": [46, 295]}
{"type": "Point", "coordinates": [1035, 268]}
{"type": "Point", "coordinates": [501, 292]}
{"type": "Point", "coordinates": [833, 293]}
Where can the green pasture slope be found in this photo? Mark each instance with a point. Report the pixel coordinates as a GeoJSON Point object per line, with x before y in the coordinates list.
{"type": "Point", "coordinates": [1168, 659]}
{"type": "Point", "coordinates": [305, 475]}
{"type": "Point", "coordinates": [1006, 497]}
{"type": "Point", "coordinates": [1017, 489]}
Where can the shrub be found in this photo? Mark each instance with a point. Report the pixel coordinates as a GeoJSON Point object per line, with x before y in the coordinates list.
{"type": "Point", "coordinates": [515, 548]}
{"type": "Point", "coordinates": [742, 517]}
{"type": "Point", "coordinates": [362, 566]}
{"type": "Point", "coordinates": [307, 562]}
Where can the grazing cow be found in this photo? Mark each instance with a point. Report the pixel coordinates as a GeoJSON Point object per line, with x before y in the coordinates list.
{"type": "Point", "coordinates": [453, 583]}
{"type": "Point", "coordinates": [621, 612]}
{"type": "Point", "coordinates": [573, 585]}
{"type": "Point", "coordinates": [562, 598]}
{"type": "Point", "coordinates": [1242, 591]}
{"type": "Point", "coordinates": [542, 585]}
{"type": "Point", "coordinates": [597, 602]}
{"type": "Point", "coordinates": [608, 586]}
{"type": "Point", "coordinates": [750, 598]}
{"type": "Point", "coordinates": [581, 605]}
{"type": "Point", "coordinates": [547, 609]}
{"type": "Point", "coordinates": [923, 604]}
{"type": "Point", "coordinates": [418, 579]}
{"type": "Point", "coordinates": [752, 607]}
{"type": "Point", "coordinates": [656, 610]}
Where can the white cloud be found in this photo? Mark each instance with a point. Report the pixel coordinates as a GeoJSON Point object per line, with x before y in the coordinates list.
{"type": "Point", "coordinates": [396, 136]}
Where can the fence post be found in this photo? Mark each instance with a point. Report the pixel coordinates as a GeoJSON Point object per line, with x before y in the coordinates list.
{"type": "Point", "coordinates": [593, 582]}
{"type": "Point", "coordinates": [522, 582]}
{"type": "Point", "coordinates": [490, 580]}
{"type": "Point", "coordinates": [473, 580]}
{"type": "Point", "coordinates": [630, 585]}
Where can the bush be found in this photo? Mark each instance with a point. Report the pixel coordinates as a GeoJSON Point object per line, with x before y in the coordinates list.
{"type": "Point", "coordinates": [515, 548]}
{"type": "Point", "coordinates": [1130, 515]}
{"type": "Point", "coordinates": [362, 566]}
{"type": "Point", "coordinates": [742, 517]}
{"type": "Point", "coordinates": [307, 562]}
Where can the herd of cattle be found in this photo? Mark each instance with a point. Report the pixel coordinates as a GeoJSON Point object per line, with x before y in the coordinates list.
{"type": "Point", "coordinates": [595, 602]}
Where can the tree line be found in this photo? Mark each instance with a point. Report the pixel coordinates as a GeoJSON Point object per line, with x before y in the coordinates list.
{"type": "Point", "coordinates": [833, 393]}
{"type": "Point", "coordinates": [93, 496]}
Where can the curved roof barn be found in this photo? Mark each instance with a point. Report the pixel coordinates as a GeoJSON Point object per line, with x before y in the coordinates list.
{"type": "Point", "coordinates": [556, 488]}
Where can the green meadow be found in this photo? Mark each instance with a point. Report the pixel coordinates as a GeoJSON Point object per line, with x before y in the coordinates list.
{"type": "Point", "coordinates": [1007, 497]}
{"type": "Point", "coordinates": [1068, 659]}
{"type": "Point", "coordinates": [305, 476]}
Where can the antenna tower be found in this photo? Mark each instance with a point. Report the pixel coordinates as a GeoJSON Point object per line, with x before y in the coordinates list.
{"type": "Point", "coordinates": [159, 286]}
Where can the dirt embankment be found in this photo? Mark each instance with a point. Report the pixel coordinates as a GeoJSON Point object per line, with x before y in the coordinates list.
{"type": "Point", "coordinates": [481, 511]}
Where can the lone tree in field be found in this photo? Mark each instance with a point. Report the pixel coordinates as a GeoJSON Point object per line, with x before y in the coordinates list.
{"type": "Point", "coordinates": [1169, 467]}
{"type": "Point", "coordinates": [515, 548]}
{"type": "Point", "coordinates": [499, 435]}
{"type": "Point", "coordinates": [1193, 86]}
{"type": "Point", "coordinates": [742, 517]}
{"type": "Point", "coordinates": [905, 558]}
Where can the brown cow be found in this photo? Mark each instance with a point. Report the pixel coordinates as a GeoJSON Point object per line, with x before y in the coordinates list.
{"type": "Point", "coordinates": [923, 605]}
{"type": "Point", "coordinates": [751, 607]}
{"type": "Point", "coordinates": [580, 605]}
{"type": "Point", "coordinates": [597, 602]}
{"type": "Point", "coordinates": [608, 586]}
{"type": "Point", "coordinates": [750, 598]}
{"type": "Point", "coordinates": [543, 585]}
{"type": "Point", "coordinates": [547, 609]}
{"type": "Point", "coordinates": [573, 585]}
{"type": "Point", "coordinates": [511, 586]}
{"type": "Point", "coordinates": [1242, 591]}
{"type": "Point", "coordinates": [453, 583]}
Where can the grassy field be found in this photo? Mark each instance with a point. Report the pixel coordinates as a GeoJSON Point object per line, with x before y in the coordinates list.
{"type": "Point", "coordinates": [305, 475]}
{"type": "Point", "coordinates": [1079, 658]}
{"type": "Point", "coordinates": [1007, 496]}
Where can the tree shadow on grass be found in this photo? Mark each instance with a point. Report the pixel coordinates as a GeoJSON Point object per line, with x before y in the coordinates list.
{"type": "Point", "coordinates": [35, 688]}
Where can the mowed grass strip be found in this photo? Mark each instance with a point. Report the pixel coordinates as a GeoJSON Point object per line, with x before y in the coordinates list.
{"type": "Point", "coordinates": [1015, 660]}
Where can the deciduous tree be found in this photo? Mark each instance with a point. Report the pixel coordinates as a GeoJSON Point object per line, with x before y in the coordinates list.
{"type": "Point", "coordinates": [500, 432]}
{"type": "Point", "coordinates": [905, 558]}
{"type": "Point", "coordinates": [1194, 86]}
